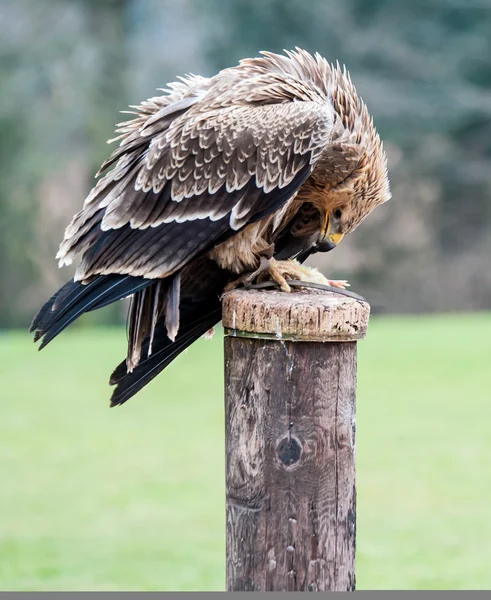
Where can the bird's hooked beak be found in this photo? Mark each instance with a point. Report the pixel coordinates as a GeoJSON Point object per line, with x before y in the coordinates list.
{"type": "Point", "coordinates": [330, 236]}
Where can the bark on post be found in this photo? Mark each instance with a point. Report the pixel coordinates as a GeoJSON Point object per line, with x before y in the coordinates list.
{"type": "Point", "coordinates": [290, 382]}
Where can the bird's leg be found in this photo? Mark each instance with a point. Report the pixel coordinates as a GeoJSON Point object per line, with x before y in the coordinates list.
{"type": "Point", "coordinates": [267, 267]}
{"type": "Point", "coordinates": [280, 271]}
{"type": "Point", "coordinates": [283, 270]}
{"type": "Point", "coordinates": [277, 274]}
{"type": "Point", "coordinates": [248, 278]}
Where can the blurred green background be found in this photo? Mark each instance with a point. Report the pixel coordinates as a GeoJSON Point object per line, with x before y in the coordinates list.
{"type": "Point", "coordinates": [423, 67]}
{"type": "Point", "coordinates": [133, 498]}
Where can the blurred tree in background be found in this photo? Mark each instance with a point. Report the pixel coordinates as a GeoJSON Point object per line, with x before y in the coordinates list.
{"type": "Point", "coordinates": [423, 67]}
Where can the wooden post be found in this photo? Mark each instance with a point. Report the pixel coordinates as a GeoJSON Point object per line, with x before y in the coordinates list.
{"type": "Point", "coordinates": [290, 383]}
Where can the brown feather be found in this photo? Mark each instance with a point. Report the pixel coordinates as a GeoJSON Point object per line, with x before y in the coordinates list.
{"type": "Point", "coordinates": [221, 167]}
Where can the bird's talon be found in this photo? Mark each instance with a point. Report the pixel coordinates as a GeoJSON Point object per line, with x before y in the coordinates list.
{"type": "Point", "coordinates": [284, 287]}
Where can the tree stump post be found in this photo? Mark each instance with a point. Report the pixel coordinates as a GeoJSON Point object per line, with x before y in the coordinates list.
{"type": "Point", "coordinates": [290, 384]}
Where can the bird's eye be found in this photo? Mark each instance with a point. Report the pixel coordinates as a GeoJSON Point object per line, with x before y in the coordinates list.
{"type": "Point", "coordinates": [338, 213]}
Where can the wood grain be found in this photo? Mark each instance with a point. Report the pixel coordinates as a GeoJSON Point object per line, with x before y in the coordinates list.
{"type": "Point", "coordinates": [290, 462]}
{"type": "Point", "coordinates": [306, 315]}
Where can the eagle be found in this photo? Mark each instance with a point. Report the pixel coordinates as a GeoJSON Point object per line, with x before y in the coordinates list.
{"type": "Point", "coordinates": [216, 183]}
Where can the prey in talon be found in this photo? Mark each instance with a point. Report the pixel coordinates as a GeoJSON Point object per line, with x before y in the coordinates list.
{"type": "Point", "coordinates": [215, 183]}
{"type": "Point", "coordinates": [283, 271]}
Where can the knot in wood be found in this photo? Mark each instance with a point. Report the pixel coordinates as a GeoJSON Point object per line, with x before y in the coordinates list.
{"type": "Point", "coordinates": [304, 315]}
{"type": "Point", "coordinates": [289, 451]}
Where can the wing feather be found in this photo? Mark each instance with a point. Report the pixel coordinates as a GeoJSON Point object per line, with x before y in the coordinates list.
{"type": "Point", "coordinates": [192, 171]}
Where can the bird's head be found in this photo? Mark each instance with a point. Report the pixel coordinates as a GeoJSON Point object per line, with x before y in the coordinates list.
{"type": "Point", "coordinates": [349, 178]}
{"type": "Point", "coordinates": [351, 201]}
{"type": "Point", "coordinates": [357, 166]}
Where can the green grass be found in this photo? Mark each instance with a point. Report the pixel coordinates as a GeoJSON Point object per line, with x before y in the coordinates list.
{"type": "Point", "coordinates": [132, 498]}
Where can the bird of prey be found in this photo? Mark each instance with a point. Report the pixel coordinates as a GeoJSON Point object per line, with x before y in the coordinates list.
{"type": "Point", "coordinates": [214, 181]}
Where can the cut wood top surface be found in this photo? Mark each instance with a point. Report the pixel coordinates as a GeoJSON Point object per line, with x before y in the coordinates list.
{"type": "Point", "coordinates": [303, 315]}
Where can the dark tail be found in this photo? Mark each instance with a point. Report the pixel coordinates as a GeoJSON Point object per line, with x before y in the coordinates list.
{"type": "Point", "coordinates": [202, 284]}
{"type": "Point", "coordinates": [164, 352]}
{"type": "Point", "coordinates": [75, 298]}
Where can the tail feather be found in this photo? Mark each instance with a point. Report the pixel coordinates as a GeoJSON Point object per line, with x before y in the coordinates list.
{"type": "Point", "coordinates": [171, 308]}
{"type": "Point", "coordinates": [199, 309]}
{"type": "Point", "coordinates": [38, 321]}
{"type": "Point", "coordinates": [163, 353]}
{"type": "Point", "coordinates": [187, 305]}
{"type": "Point", "coordinates": [147, 306]}
{"type": "Point", "coordinates": [142, 316]}
{"type": "Point", "coordinates": [76, 298]}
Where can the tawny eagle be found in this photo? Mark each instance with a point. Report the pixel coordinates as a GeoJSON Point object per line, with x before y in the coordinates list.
{"type": "Point", "coordinates": [267, 161]}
